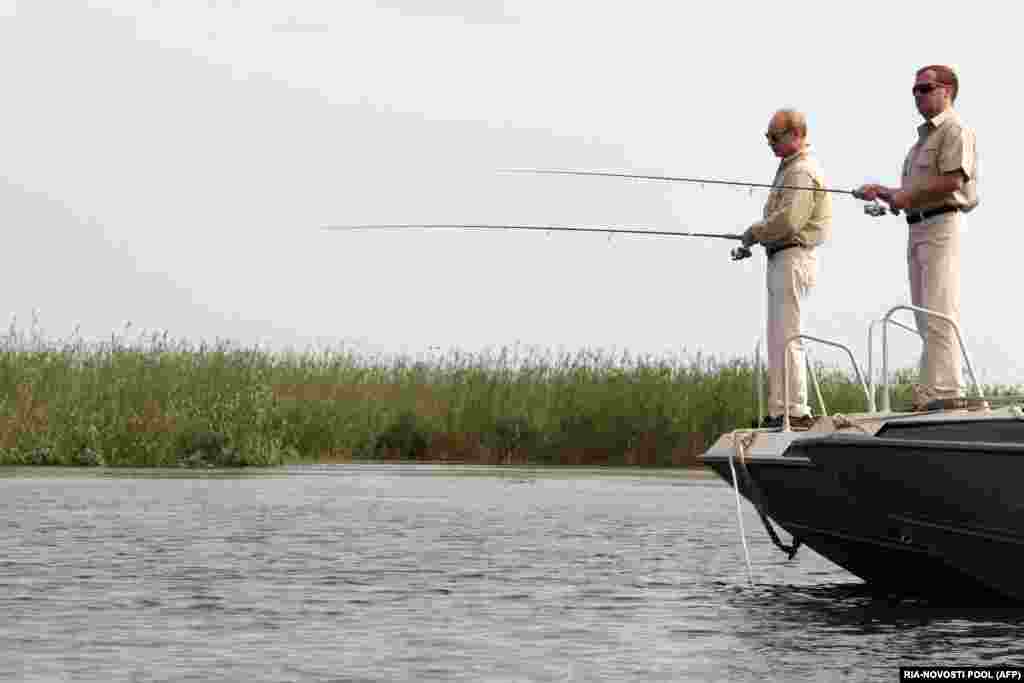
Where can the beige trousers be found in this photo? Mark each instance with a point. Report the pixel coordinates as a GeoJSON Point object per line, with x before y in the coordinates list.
{"type": "Point", "coordinates": [791, 275]}
{"type": "Point", "coordinates": [933, 263]}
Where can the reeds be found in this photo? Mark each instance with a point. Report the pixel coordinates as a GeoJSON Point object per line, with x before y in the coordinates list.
{"type": "Point", "coordinates": [160, 402]}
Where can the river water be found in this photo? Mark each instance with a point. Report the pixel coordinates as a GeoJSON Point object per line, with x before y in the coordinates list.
{"type": "Point", "coordinates": [437, 573]}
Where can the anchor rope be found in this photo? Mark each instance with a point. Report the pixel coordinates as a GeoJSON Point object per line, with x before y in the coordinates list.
{"type": "Point", "coordinates": [740, 452]}
{"type": "Point", "coordinates": [757, 499]}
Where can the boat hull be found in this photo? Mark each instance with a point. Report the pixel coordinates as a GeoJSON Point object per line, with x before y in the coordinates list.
{"type": "Point", "coordinates": [904, 510]}
{"type": "Point", "coordinates": [943, 489]}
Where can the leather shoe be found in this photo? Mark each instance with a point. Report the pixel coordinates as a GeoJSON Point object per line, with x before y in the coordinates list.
{"type": "Point", "coordinates": [955, 403]}
{"type": "Point", "coordinates": [775, 422]}
{"type": "Point", "coordinates": [802, 422]}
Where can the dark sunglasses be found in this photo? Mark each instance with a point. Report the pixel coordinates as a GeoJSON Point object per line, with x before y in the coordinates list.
{"type": "Point", "coordinates": [774, 136]}
{"type": "Point", "coordinates": [924, 88]}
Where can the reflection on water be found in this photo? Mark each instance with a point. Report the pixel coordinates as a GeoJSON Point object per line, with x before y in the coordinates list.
{"type": "Point", "coordinates": [382, 573]}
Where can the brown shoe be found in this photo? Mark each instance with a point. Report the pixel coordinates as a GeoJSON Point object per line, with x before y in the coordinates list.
{"type": "Point", "coordinates": [804, 422]}
{"type": "Point", "coordinates": [775, 422]}
{"type": "Point", "coordinates": [957, 403]}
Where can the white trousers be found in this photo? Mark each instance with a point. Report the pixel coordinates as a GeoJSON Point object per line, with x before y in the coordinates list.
{"type": "Point", "coordinates": [791, 275]}
{"type": "Point", "coordinates": [933, 263]}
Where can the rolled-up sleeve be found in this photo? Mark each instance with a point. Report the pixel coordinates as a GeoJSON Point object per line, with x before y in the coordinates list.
{"type": "Point", "coordinates": [794, 208]}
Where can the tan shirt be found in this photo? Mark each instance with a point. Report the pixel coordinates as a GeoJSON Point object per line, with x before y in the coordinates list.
{"type": "Point", "coordinates": [796, 215]}
{"type": "Point", "coordinates": [944, 145]}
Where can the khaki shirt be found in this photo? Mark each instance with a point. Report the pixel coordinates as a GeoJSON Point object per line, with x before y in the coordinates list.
{"type": "Point", "coordinates": [801, 216]}
{"type": "Point", "coordinates": [944, 145]}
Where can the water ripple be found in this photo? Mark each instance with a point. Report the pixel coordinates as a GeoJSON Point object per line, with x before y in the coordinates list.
{"type": "Point", "coordinates": [370, 573]}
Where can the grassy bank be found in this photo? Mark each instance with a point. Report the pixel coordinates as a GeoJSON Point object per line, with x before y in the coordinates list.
{"type": "Point", "coordinates": [159, 402]}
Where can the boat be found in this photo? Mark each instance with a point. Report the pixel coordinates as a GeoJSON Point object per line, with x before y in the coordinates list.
{"type": "Point", "coordinates": [922, 504]}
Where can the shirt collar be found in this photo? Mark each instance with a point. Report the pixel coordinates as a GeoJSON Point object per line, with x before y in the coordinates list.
{"type": "Point", "coordinates": [934, 122]}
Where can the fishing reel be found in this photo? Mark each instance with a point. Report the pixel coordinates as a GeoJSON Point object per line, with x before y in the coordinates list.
{"type": "Point", "coordinates": [874, 209]}
{"type": "Point", "coordinates": [877, 210]}
{"type": "Point", "coordinates": [740, 253]}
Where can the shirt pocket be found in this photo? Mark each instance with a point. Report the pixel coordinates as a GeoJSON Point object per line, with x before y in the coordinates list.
{"type": "Point", "coordinates": [926, 161]}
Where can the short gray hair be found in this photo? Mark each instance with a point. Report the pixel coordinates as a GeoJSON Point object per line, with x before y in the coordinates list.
{"type": "Point", "coordinates": [795, 120]}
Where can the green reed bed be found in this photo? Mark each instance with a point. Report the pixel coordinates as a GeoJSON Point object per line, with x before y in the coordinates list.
{"type": "Point", "coordinates": [162, 402]}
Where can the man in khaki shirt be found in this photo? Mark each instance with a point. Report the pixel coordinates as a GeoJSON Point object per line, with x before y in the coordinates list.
{"type": "Point", "coordinates": [797, 218]}
{"type": "Point", "coordinates": [939, 182]}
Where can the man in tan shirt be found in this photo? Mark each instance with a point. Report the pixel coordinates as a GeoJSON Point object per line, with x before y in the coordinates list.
{"type": "Point", "coordinates": [939, 181]}
{"type": "Point", "coordinates": [797, 218]}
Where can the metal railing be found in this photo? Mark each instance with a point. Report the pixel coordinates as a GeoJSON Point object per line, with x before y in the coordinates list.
{"type": "Point", "coordinates": [871, 354]}
{"type": "Point", "coordinates": [814, 381]}
{"type": "Point", "coordinates": [886, 401]}
{"type": "Point", "coordinates": [869, 386]}
{"type": "Point", "coordinates": [785, 382]}
{"type": "Point", "coordinates": [758, 388]}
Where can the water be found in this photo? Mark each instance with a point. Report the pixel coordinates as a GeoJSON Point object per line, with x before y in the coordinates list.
{"type": "Point", "coordinates": [432, 573]}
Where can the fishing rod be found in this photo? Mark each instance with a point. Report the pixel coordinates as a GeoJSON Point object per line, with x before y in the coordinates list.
{"type": "Point", "coordinates": [737, 254]}
{"type": "Point", "coordinates": [872, 208]}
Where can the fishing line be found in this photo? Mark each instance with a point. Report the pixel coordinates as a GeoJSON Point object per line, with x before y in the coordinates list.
{"type": "Point", "coordinates": [738, 253]}
{"type": "Point", "coordinates": [872, 208]}
{"type": "Point", "coordinates": [675, 179]}
{"type": "Point", "coordinates": [542, 228]}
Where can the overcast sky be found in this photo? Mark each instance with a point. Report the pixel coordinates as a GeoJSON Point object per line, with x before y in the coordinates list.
{"type": "Point", "coordinates": [172, 164]}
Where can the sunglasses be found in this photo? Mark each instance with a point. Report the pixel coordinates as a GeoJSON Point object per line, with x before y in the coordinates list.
{"type": "Point", "coordinates": [774, 136]}
{"type": "Point", "coordinates": [924, 88]}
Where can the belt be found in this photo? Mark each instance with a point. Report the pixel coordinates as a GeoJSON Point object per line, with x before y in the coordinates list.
{"type": "Point", "coordinates": [772, 251]}
{"type": "Point", "coordinates": [918, 216]}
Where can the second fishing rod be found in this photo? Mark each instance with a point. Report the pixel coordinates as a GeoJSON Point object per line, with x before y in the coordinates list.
{"type": "Point", "coordinates": [872, 208]}
{"type": "Point", "coordinates": [738, 253]}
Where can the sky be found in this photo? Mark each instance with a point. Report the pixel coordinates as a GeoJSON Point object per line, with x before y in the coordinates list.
{"type": "Point", "coordinates": [170, 166]}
